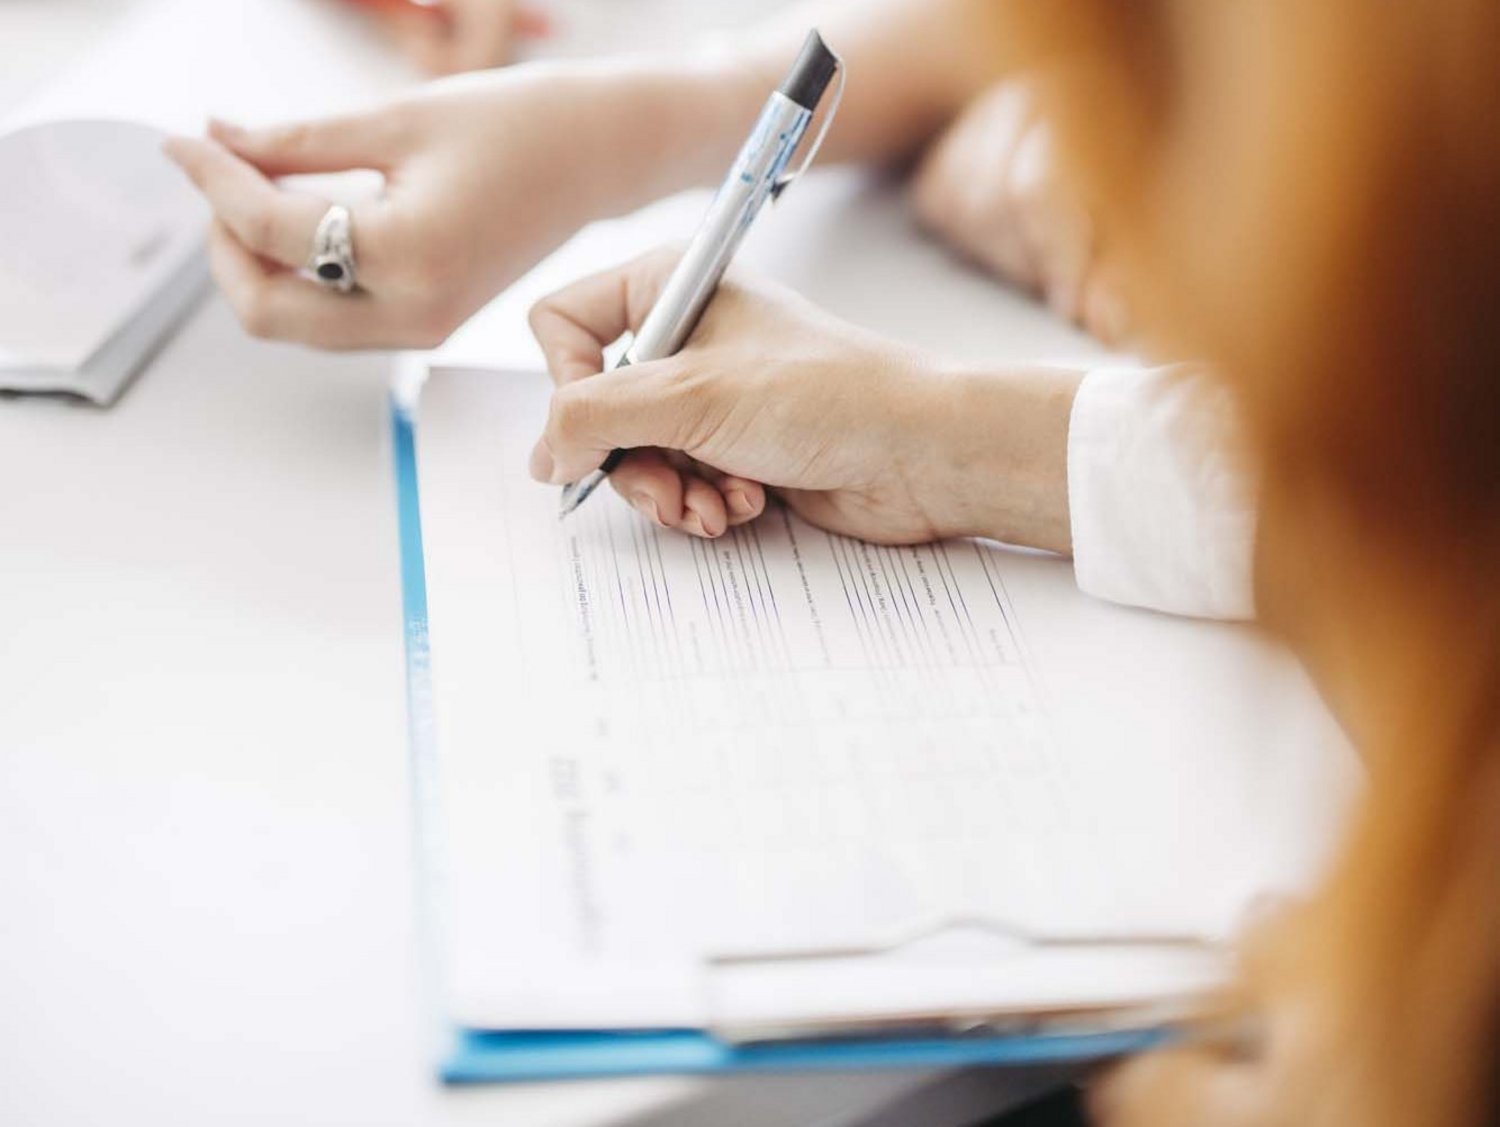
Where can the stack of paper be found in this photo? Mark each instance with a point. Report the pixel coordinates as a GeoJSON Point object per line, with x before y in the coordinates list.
{"type": "Point", "coordinates": [789, 785]}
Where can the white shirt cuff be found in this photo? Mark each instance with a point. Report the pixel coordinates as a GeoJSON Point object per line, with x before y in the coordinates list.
{"type": "Point", "coordinates": [1162, 510]}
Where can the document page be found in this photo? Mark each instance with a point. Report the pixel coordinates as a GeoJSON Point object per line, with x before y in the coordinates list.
{"type": "Point", "coordinates": [662, 755]}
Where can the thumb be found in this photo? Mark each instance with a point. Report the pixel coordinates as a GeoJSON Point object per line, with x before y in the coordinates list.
{"type": "Point", "coordinates": [333, 144]}
{"type": "Point", "coordinates": [574, 325]}
{"type": "Point", "coordinates": [642, 405]}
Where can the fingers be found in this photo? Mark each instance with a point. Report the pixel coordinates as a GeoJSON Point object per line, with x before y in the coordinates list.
{"type": "Point", "coordinates": [640, 409]}
{"type": "Point", "coordinates": [276, 304]}
{"type": "Point", "coordinates": [649, 405]}
{"type": "Point", "coordinates": [336, 144]}
{"type": "Point", "coordinates": [652, 485]}
{"type": "Point", "coordinates": [744, 500]}
{"type": "Point", "coordinates": [689, 497]}
{"type": "Point", "coordinates": [620, 409]}
{"type": "Point", "coordinates": [1055, 228]}
{"type": "Point", "coordinates": [703, 508]}
{"type": "Point", "coordinates": [274, 224]}
{"type": "Point", "coordinates": [574, 325]}
{"type": "Point", "coordinates": [963, 189]}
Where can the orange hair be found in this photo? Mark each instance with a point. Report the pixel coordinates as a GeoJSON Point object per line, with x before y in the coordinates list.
{"type": "Point", "coordinates": [1306, 194]}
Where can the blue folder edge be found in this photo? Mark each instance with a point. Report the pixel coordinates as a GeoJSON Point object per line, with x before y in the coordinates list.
{"type": "Point", "coordinates": [467, 1056]}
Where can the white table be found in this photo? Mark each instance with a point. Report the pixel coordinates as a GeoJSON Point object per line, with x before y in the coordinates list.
{"type": "Point", "coordinates": [206, 884]}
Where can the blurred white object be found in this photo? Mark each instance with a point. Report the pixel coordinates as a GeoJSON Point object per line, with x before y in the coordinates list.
{"type": "Point", "coordinates": [100, 255]}
{"type": "Point", "coordinates": [37, 37]}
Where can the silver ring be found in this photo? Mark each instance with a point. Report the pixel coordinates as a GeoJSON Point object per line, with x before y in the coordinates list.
{"type": "Point", "coordinates": [331, 263]}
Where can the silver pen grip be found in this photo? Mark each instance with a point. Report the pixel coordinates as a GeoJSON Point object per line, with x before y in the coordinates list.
{"type": "Point", "coordinates": [751, 182]}
{"type": "Point", "coordinates": [744, 192]}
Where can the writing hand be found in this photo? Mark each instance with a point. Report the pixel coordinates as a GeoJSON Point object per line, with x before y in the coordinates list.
{"type": "Point", "coordinates": [856, 433]}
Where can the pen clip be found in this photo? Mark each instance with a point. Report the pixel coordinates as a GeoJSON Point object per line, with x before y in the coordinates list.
{"type": "Point", "coordinates": [817, 142]}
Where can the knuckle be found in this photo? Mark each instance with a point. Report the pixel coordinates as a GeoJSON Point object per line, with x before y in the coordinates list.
{"type": "Point", "coordinates": [537, 316]}
{"type": "Point", "coordinates": [293, 138]}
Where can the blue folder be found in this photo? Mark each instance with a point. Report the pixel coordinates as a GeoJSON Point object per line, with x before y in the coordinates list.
{"type": "Point", "coordinates": [489, 1055]}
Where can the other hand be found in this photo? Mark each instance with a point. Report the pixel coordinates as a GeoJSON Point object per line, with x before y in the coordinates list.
{"type": "Point", "coordinates": [1269, 1055]}
{"type": "Point", "coordinates": [991, 186]}
{"type": "Point", "coordinates": [856, 433]}
{"type": "Point", "coordinates": [478, 186]}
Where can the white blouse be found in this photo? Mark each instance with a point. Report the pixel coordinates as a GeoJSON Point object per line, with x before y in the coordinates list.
{"type": "Point", "coordinates": [1162, 510]}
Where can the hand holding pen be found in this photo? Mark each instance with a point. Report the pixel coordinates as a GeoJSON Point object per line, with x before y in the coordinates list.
{"type": "Point", "coordinates": [855, 432]}
{"type": "Point", "coordinates": [757, 176]}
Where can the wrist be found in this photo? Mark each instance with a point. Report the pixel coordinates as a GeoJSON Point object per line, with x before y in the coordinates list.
{"type": "Point", "coordinates": [996, 459]}
{"type": "Point", "coordinates": [652, 128]}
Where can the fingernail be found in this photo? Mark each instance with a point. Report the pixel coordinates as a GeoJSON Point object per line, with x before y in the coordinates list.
{"type": "Point", "coordinates": [225, 129]}
{"type": "Point", "coordinates": [692, 522]}
{"type": "Point", "coordinates": [712, 531]}
{"type": "Point", "coordinates": [738, 502]}
{"type": "Point", "coordinates": [542, 465]}
{"type": "Point", "coordinates": [647, 508]}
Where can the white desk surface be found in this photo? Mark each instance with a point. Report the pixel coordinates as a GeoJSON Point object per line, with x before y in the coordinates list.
{"type": "Point", "coordinates": [206, 909]}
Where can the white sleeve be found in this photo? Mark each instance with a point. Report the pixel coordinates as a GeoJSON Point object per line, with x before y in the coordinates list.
{"type": "Point", "coordinates": [1162, 510]}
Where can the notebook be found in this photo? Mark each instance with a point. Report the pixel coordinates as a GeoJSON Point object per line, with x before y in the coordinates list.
{"type": "Point", "coordinates": [786, 799]}
{"type": "Point", "coordinates": [100, 236]}
{"type": "Point", "coordinates": [101, 254]}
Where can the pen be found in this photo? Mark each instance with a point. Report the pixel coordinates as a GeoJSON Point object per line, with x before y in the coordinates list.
{"type": "Point", "coordinates": [758, 174]}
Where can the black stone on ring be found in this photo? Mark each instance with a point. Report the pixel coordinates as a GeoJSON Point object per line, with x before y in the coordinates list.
{"type": "Point", "coordinates": [331, 263]}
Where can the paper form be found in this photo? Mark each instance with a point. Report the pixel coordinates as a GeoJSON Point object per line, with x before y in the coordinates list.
{"type": "Point", "coordinates": [659, 751]}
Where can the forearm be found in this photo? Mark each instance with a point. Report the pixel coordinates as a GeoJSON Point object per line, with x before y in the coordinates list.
{"type": "Point", "coordinates": [1137, 473]}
